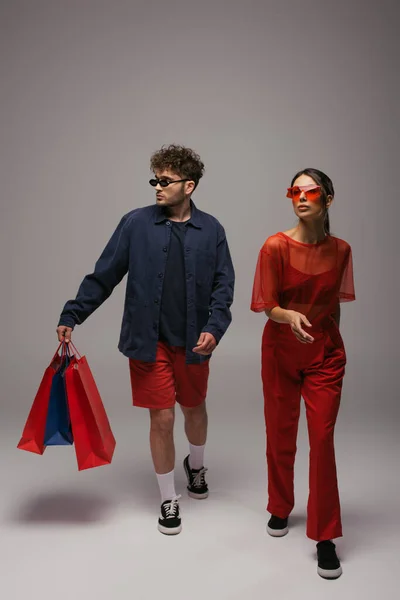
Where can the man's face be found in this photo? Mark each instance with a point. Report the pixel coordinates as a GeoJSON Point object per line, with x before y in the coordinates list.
{"type": "Point", "coordinates": [173, 194]}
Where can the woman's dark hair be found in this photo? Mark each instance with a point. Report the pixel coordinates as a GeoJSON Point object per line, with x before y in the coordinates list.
{"type": "Point", "coordinates": [326, 190]}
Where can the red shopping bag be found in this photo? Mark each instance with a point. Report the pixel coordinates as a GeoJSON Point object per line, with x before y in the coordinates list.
{"type": "Point", "coordinates": [93, 438]}
{"type": "Point", "coordinates": [33, 433]}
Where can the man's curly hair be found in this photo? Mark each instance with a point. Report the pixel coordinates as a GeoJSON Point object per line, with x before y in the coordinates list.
{"type": "Point", "coordinates": [182, 161]}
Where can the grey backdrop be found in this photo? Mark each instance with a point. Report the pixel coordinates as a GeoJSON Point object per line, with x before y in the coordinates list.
{"type": "Point", "coordinates": [260, 89]}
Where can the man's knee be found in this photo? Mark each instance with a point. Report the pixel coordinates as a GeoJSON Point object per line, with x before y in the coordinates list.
{"type": "Point", "coordinates": [195, 413]}
{"type": "Point", "coordinates": [162, 420]}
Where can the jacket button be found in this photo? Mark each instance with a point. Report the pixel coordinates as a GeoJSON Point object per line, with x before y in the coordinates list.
{"type": "Point", "coordinates": [165, 249]}
{"type": "Point", "coordinates": [156, 301]}
{"type": "Point", "coordinates": [168, 224]}
{"type": "Point", "coordinates": [160, 275]}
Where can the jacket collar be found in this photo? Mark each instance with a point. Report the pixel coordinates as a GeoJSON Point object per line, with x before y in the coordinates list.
{"type": "Point", "coordinates": [195, 216]}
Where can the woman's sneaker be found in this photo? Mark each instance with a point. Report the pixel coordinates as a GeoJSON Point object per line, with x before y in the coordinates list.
{"type": "Point", "coordinates": [197, 486]}
{"type": "Point", "coordinates": [169, 522]}
{"type": "Point", "coordinates": [277, 527]}
{"type": "Point", "coordinates": [328, 562]}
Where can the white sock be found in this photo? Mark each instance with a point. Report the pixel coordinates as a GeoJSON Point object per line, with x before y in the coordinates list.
{"type": "Point", "coordinates": [196, 457]}
{"type": "Point", "coordinates": [166, 483]}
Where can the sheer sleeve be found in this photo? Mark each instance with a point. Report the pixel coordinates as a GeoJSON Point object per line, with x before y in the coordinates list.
{"type": "Point", "coordinates": [267, 277]}
{"type": "Point", "coordinates": [346, 290]}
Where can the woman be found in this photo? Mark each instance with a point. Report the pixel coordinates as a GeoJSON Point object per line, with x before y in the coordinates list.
{"type": "Point", "coordinates": [302, 275]}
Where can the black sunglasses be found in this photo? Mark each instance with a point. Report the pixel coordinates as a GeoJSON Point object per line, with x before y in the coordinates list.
{"type": "Point", "coordinates": [165, 182]}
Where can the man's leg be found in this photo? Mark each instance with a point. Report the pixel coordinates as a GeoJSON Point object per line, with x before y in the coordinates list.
{"type": "Point", "coordinates": [163, 454]}
{"type": "Point", "coordinates": [163, 449]}
{"type": "Point", "coordinates": [191, 390]}
{"type": "Point", "coordinates": [196, 422]}
{"type": "Point", "coordinates": [196, 431]}
{"type": "Point", "coordinates": [153, 387]}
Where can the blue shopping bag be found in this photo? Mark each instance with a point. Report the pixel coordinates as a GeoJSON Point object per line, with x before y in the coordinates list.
{"type": "Point", "coordinates": [58, 423]}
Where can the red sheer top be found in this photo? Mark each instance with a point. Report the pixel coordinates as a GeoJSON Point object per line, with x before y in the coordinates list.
{"type": "Point", "coordinates": [308, 278]}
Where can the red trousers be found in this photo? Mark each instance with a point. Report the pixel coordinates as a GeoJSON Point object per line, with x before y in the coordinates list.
{"type": "Point", "coordinates": [315, 371]}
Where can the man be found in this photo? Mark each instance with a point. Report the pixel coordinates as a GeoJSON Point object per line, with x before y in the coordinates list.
{"type": "Point", "coordinates": [177, 308]}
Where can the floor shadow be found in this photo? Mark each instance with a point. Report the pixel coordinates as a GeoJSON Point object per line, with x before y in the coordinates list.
{"type": "Point", "coordinates": [136, 485]}
{"type": "Point", "coordinates": [69, 508]}
{"type": "Point", "coordinates": [363, 526]}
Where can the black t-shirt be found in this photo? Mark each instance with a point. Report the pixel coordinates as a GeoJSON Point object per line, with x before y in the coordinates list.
{"type": "Point", "coordinates": [172, 326]}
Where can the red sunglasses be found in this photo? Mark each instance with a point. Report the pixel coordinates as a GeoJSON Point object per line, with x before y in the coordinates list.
{"type": "Point", "coordinates": [311, 192]}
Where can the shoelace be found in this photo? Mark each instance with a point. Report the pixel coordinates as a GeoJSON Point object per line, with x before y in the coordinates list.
{"type": "Point", "coordinates": [172, 508]}
{"type": "Point", "coordinates": [198, 479]}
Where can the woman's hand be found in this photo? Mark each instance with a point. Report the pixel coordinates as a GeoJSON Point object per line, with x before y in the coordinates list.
{"type": "Point", "coordinates": [297, 321]}
{"type": "Point", "coordinates": [294, 319]}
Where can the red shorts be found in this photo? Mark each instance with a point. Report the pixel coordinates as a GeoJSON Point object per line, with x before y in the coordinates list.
{"type": "Point", "coordinates": [168, 380]}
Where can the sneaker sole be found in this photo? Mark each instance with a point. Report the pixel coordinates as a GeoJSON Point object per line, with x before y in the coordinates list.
{"type": "Point", "coordinates": [169, 530]}
{"type": "Point", "coordinates": [329, 573]}
{"type": "Point", "coordinates": [278, 532]}
{"type": "Point", "coordinates": [197, 496]}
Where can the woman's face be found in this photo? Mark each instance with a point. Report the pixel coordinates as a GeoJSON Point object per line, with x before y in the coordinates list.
{"type": "Point", "coordinates": [306, 198]}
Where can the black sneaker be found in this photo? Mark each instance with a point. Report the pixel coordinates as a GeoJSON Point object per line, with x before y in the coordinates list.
{"type": "Point", "coordinates": [197, 486]}
{"type": "Point", "coordinates": [328, 562]}
{"type": "Point", "coordinates": [170, 520]}
{"type": "Point", "coordinates": [277, 527]}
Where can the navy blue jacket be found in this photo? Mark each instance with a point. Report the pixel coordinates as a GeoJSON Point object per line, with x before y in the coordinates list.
{"type": "Point", "coordinates": [139, 247]}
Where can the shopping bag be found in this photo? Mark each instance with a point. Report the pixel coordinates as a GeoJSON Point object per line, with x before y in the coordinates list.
{"type": "Point", "coordinates": [32, 439]}
{"type": "Point", "coordinates": [58, 430]}
{"type": "Point", "coordinates": [93, 439]}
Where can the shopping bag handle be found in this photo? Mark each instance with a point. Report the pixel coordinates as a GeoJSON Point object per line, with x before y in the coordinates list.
{"type": "Point", "coordinates": [65, 356]}
{"type": "Point", "coordinates": [74, 348]}
{"type": "Point", "coordinates": [58, 350]}
{"type": "Point", "coordinates": [65, 350]}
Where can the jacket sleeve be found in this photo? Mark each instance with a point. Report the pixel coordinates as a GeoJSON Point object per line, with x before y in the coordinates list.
{"type": "Point", "coordinates": [223, 290]}
{"type": "Point", "coordinates": [96, 287]}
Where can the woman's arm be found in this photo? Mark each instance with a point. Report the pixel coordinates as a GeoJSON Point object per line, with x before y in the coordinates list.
{"type": "Point", "coordinates": [294, 319]}
{"type": "Point", "coordinates": [279, 315]}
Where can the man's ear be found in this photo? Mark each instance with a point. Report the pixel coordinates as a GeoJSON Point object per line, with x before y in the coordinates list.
{"type": "Point", "coordinates": [190, 187]}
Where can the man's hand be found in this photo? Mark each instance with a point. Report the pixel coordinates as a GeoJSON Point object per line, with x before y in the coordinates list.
{"type": "Point", "coordinates": [296, 321]}
{"type": "Point", "coordinates": [205, 344]}
{"type": "Point", "coordinates": [64, 333]}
